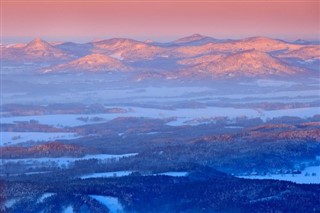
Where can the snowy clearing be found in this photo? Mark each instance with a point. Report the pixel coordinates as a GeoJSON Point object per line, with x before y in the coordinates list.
{"type": "Point", "coordinates": [112, 203]}
{"type": "Point", "coordinates": [44, 196]}
{"type": "Point", "coordinates": [69, 209]}
{"type": "Point", "coordinates": [182, 116]}
{"type": "Point", "coordinates": [107, 174]}
{"type": "Point", "coordinates": [309, 175]}
{"type": "Point", "coordinates": [174, 174]}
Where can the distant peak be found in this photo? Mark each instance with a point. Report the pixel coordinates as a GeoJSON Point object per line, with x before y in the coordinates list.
{"type": "Point", "coordinates": [95, 58]}
{"type": "Point", "coordinates": [148, 41]}
{"type": "Point", "coordinates": [115, 40]}
{"type": "Point", "coordinates": [261, 39]}
{"type": "Point", "coordinates": [38, 40]}
{"type": "Point", "coordinates": [191, 38]}
{"type": "Point", "coordinates": [38, 43]}
{"type": "Point", "coordinates": [97, 40]}
{"type": "Point", "coordinates": [197, 35]}
{"type": "Point", "coordinates": [39, 48]}
{"type": "Point", "coordinates": [258, 37]}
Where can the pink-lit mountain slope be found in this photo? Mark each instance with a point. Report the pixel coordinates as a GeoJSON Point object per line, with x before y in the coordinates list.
{"type": "Point", "coordinates": [92, 63]}
{"type": "Point", "coordinates": [304, 53]}
{"type": "Point", "coordinates": [35, 51]}
{"type": "Point", "coordinates": [262, 44]}
{"type": "Point", "coordinates": [246, 63]}
{"type": "Point", "coordinates": [191, 56]}
{"type": "Point", "coordinates": [127, 49]}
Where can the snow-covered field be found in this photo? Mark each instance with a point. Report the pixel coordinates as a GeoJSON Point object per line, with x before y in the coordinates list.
{"type": "Point", "coordinates": [164, 95]}
{"type": "Point", "coordinates": [132, 98]}
{"type": "Point", "coordinates": [58, 120]}
{"type": "Point", "coordinates": [198, 93]}
{"type": "Point", "coordinates": [174, 174]}
{"type": "Point", "coordinates": [182, 116]}
{"type": "Point", "coordinates": [270, 83]}
{"type": "Point", "coordinates": [309, 175]}
{"type": "Point", "coordinates": [298, 112]}
{"type": "Point", "coordinates": [11, 138]}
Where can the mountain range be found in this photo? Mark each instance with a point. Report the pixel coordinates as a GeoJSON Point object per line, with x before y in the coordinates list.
{"type": "Point", "coordinates": [194, 55]}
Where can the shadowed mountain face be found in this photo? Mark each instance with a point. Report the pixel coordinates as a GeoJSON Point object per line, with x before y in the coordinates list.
{"type": "Point", "coordinates": [197, 39]}
{"type": "Point", "coordinates": [191, 56]}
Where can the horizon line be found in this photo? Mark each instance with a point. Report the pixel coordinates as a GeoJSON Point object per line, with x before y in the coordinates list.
{"type": "Point", "coordinates": [86, 39]}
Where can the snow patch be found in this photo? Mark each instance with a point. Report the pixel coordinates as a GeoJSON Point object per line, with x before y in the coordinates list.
{"type": "Point", "coordinates": [117, 56]}
{"type": "Point", "coordinates": [309, 175]}
{"type": "Point", "coordinates": [112, 203]}
{"type": "Point", "coordinates": [44, 196]}
{"type": "Point", "coordinates": [69, 209]}
{"type": "Point", "coordinates": [174, 174]}
{"type": "Point", "coordinates": [107, 174]}
{"type": "Point", "coordinates": [10, 203]}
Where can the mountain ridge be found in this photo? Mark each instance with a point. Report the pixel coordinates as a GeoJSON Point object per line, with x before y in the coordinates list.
{"type": "Point", "coordinates": [249, 62]}
{"type": "Point", "coordinates": [189, 55]}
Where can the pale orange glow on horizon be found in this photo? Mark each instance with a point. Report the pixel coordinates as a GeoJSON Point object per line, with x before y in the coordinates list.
{"type": "Point", "coordinates": [160, 20]}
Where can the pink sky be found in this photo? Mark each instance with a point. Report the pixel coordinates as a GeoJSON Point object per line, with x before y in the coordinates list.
{"type": "Point", "coordinates": [159, 20]}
